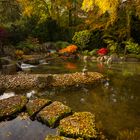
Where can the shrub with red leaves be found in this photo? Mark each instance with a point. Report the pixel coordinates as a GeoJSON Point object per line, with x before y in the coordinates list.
{"type": "Point", "coordinates": [102, 51]}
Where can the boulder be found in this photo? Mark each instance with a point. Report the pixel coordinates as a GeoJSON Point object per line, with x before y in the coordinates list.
{"type": "Point", "coordinates": [80, 124]}
{"type": "Point", "coordinates": [11, 106]}
{"type": "Point", "coordinates": [51, 114]}
{"type": "Point", "coordinates": [34, 106]}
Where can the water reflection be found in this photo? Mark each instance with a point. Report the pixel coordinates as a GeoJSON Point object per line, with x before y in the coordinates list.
{"type": "Point", "coordinates": [18, 129]}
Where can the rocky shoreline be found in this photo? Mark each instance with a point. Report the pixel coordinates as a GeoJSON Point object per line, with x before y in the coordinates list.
{"type": "Point", "coordinates": [28, 81]}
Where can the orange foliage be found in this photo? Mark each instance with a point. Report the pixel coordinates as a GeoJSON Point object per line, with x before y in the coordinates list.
{"type": "Point", "coordinates": [69, 49]}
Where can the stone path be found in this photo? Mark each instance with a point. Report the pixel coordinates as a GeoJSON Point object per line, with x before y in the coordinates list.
{"type": "Point", "coordinates": [28, 81]}
{"type": "Point", "coordinates": [78, 125]}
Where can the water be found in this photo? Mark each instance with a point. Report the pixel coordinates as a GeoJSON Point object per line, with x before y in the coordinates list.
{"type": "Point", "coordinates": [115, 102]}
{"type": "Point", "coordinates": [18, 129]}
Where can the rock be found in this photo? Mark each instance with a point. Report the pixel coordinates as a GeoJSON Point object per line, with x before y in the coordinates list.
{"type": "Point", "coordinates": [80, 124]}
{"type": "Point", "coordinates": [51, 114]}
{"type": "Point", "coordinates": [9, 69]}
{"type": "Point", "coordinates": [32, 59]}
{"type": "Point", "coordinates": [50, 137]}
{"type": "Point", "coordinates": [132, 59]}
{"type": "Point", "coordinates": [34, 106]}
{"type": "Point", "coordinates": [45, 81]}
{"type": "Point", "coordinates": [30, 81]}
{"type": "Point", "coordinates": [11, 106]}
{"type": "Point", "coordinates": [47, 46]}
{"type": "Point", "coordinates": [5, 60]}
{"type": "Point", "coordinates": [114, 58]}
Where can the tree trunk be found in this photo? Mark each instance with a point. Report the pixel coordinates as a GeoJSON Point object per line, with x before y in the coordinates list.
{"type": "Point", "coordinates": [70, 17]}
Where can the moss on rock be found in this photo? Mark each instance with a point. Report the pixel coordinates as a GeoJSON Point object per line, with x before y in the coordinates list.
{"type": "Point", "coordinates": [10, 106]}
{"type": "Point", "coordinates": [80, 124]}
{"type": "Point", "coordinates": [51, 114]}
{"type": "Point", "coordinates": [50, 137]}
{"type": "Point", "coordinates": [34, 106]}
{"type": "Point", "coordinates": [29, 81]}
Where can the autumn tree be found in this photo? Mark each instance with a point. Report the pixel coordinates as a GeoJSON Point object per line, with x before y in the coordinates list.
{"type": "Point", "coordinates": [9, 11]}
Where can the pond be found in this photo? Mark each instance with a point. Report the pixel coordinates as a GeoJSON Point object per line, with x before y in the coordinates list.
{"type": "Point", "coordinates": [115, 102]}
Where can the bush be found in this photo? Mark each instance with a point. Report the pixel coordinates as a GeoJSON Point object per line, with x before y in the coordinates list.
{"type": "Point", "coordinates": [82, 38]}
{"type": "Point", "coordinates": [19, 54]}
{"type": "Point", "coordinates": [61, 44]}
{"type": "Point", "coordinates": [132, 47]}
{"type": "Point", "coordinates": [90, 53]}
{"type": "Point", "coordinates": [69, 49]}
{"type": "Point", "coordinates": [17, 33]}
{"type": "Point", "coordinates": [89, 39]}
{"type": "Point", "coordinates": [111, 45]}
{"type": "Point", "coordinates": [30, 44]}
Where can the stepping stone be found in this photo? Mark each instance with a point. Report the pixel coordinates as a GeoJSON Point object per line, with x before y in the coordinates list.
{"type": "Point", "coordinates": [50, 137]}
{"type": "Point", "coordinates": [11, 106]}
{"type": "Point", "coordinates": [51, 114]}
{"type": "Point", "coordinates": [34, 106]}
{"type": "Point", "coordinates": [80, 124]}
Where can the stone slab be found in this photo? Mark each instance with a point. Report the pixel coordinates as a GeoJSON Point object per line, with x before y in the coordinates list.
{"type": "Point", "coordinates": [51, 114]}
{"type": "Point", "coordinates": [11, 106]}
{"type": "Point", "coordinates": [34, 106]}
{"type": "Point", "coordinates": [80, 124]}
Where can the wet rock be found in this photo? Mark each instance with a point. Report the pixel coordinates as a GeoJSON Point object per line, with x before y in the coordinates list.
{"type": "Point", "coordinates": [51, 114]}
{"type": "Point", "coordinates": [44, 81]}
{"type": "Point", "coordinates": [28, 81]}
{"type": "Point", "coordinates": [34, 106]}
{"type": "Point", "coordinates": [9, 69]}
{"type": "Point", "coordinates": [11, 106]}
{"type": "Point", "coordinates": [50, 137]}
{"type": "Point", "coordinates": [5, 60]}
{"type": "Point", "coordinates": [132, 59]}
{"type": "Point", "coordinates": [80, 124]}
{"type": "Point", "coordinates": [32, 59]}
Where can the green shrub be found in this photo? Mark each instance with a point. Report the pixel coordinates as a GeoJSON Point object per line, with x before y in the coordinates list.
{"type": "Point", "coordinates": [90, 53]}
{"type": "Point", "coordinates": [132, 47]}
{"type": "Point", "coordinates": [61, 44]}
{"type": "Point", "coordinates": [82, 38]}
{"type": "Point", "coordinates": [30, 44]}
{"type": "Point", "coordinates": [111, 45]}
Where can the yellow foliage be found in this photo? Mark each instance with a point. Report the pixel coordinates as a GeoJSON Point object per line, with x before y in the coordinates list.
{"type": "Point", "coordinates": [104, 6]}
{"type": "Point", "coordinates": [19, 54]}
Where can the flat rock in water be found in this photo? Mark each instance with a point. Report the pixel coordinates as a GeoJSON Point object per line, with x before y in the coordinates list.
{"type": "Point", "coordinates": [51, 114]}
{"type": "Point", "coordinates": [80, 124]}
{"type": "Point", "coordinates": [34, 106]}
{"type": "Point", "coordinates": [50, 137]}
{"type": "Point", "coordinates": [11, 106]}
